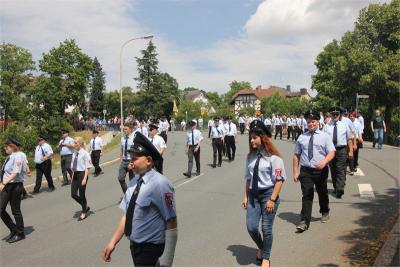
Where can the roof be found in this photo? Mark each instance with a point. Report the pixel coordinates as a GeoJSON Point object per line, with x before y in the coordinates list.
{"type": "Point", "coordinates": [191, 95]}
{"type": "Point", "coordinates": [262, 93]}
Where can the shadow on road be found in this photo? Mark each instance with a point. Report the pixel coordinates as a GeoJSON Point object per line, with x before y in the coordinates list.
{"type": "Point", "coordinates": [293, 218]}
{"type": "Point", "coordinates": [28, 230]}
{"type": "Point", "coordinates": [244, 255]}
{"type": "Point", "coordinates": [327, 265]}
{"type": "Point", "coordinates": [380, 215]}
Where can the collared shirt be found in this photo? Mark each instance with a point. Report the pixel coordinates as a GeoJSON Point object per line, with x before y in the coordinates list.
{"type": "Point", "coordinates": [197, 137]}
{"type": "Point", "coordinates": [47, 151]}
{"type": "Point", "coordinates": [357, 126]}
{"type": "Point", "coordinates": [158, 142]}
{"type": "Point", "coordinates": [210, 122]}
{"type": "Point", "coordinates": [270, 169]}
{"type": "Point", "coordinates": [343, 132]}
{"type": "Point", "coordinates": [15, 164]}
{"type": "Point", "coordinates": [267, 121]}
{"type": "Point", "coordinates": [98, 143]}
{"type": "Point", "coordinates": [164, 125]}
{"type": "Point", "coordinates": [304, 124]}
{"type": "Point", "coordinates": [350, 124]}
{"type": "Point", "coordinates": [277, 121]}
{"type": "Point", "coordinates": [322, 145]}
{"type": "Point", "coordinates": [155, 205]}
{"type": "Point", "coordinates": [217, 131]}
{"type": "Point", "coordinates": [299, 122]}
{"type": "Point", "coordinates": [361, 120]}
{"type": "Point", "coordinates": [66, 150]}
{"type": "Point", "coordinates": [84, 160]}
{"type": "Point", "coordinates": [130, 142]}
{"type": "Point", "coordinates": [230, 129]}
{"type": "Point", "coordinates": [241, 119]}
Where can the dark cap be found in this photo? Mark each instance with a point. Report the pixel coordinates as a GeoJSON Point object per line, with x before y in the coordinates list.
{"type": "Point", "coordinates": [42, 137]}
{"type": "Point", "coordinates": [143, 147]}
{"type": "Point", "coordinates": [12, 141]}
{"type": "Point", "coordinates": [192, 123]}
{"type": "Point", "coordinates": [335, 110]}
{"type": "Point", "coordinates": [152, 126]}
{"type": "Point", "coordinates": [95, 131]}
{"type": "Point", "coordinates": [312, 115]}
{"type": "Point", "coordinates": [258, 127]}
{"type": "Point", "coordinates": [216, 118]}
{"type": "Point", "coordinates": [65, 131]}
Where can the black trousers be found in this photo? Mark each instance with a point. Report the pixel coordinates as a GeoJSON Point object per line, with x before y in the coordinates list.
{"type": "Point", "coordinates": [122, 171]}
{"type": "Point", "coordinates": [298, 132]}
{"type": "Point", "coordinates": [12, 193]}
{"type": "Point", "coordinates": [230, 147]}
{"type": "Point", "coordinates": [163, 134]}
{"type": "Point", "coordinates": [95, 156]}
{"type": "Point", "coordinates": [290, 132]}
{"type": "Point", "coordinates": [278, 130]}
{"type": "Point", "coordinates": [76, 186]}
{"type": "Point", "coordinates": [241, 127]}
{"type": "Point", "coordinates": [217, 149]}
{"type": "Point", "coordinates": [196, 156]}
{"type": "Point", "coordinates": [43, 168]}
{"type": "Point", "coordinates": [146, 254]}
{"type": "Point", "coordinates": [66, 166]}
{"type": "Point", "coordinates": [309, 178]}
{"type": "Point", "coordinates": [338, 168]}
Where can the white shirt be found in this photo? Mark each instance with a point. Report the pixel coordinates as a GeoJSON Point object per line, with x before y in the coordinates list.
{"type": "Point", "coordinates": [47, 151]}
{"type": "Point", "coordinates": [164, 125]}
{"type": "Point", "coordinates": [241, 120]}
{"type": "Point", "coordinates": [98, 143]}
{"type": "Point", "coordinates": [158, 142]}
{"type": "Point", "coordinates": [66, 150]}
{"type": "Point", "coordinates": [197, 137]}
{"type": "Point", "coordinates": [143, 130]}
{"type": "Point", "coordinates": [361, 120]}
{"type": "Point", "coordinates": [230, 129]}
{"type": "Point", "coordinates": [267, 121]}
{"type": "Point", "coordinates": [83, 162]}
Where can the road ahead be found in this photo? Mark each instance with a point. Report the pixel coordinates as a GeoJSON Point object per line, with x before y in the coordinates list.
{"type": "Point", "coordinates": [211, 223]}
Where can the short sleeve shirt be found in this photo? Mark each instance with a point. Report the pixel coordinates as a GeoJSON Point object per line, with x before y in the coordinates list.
{"type": "Point", "coordinates": [197, 137]}
{"type": "Point", "coordinates": [130, 142]}
{"type": "Point", "coordinates": [15, 164]}
{"type": "Point", "coordinates": [66, 150]}
{"type": "Point", "coordinates": [98, 143]}
{"type": "Point", "coordinates": [343, 132]}
{"type": "Point", "coordinates": [40, 150]}
{"type": "Point", "coordinates": [158, 142]}
{"type": "Point", "coordinates": [84, 160]}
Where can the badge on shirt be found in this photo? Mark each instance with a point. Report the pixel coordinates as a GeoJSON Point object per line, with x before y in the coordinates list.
{"type": "Point", "coordinates": [278, 172]}
{"type": "Point", "coordinates": [18, 163]}
{"type": "Point", "coordinates": [169, 199]}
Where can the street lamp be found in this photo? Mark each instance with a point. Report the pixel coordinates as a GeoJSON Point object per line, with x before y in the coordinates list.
{"type": "Point", "coordinates": [120, 71]}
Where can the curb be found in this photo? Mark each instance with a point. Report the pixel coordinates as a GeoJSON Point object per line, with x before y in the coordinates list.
{"type": "Point", "coordinates": [389, 251]}
{"type": "Point", "coordinates": [59, 178]}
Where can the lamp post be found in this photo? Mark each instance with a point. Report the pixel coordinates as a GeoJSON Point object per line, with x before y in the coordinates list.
{"type": "Point", "coordinates": [120, 71]}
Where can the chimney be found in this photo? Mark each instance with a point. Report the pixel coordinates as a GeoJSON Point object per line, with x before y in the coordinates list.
{"type": "Point", "coordinates": [303, 91]}
{"type": "Point", "coordinates": [288, 88]}
{"type": "Point", "coordinates": [258, 87]}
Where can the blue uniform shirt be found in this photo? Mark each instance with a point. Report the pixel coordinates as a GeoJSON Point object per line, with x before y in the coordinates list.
{"type": "Point", "coordinates": [270, 169]}
{"type": "Point", "coordinates": [155, 205]}
{"type": "Point", "coordinates": [197, 137]}
{"type": "Point", "coordinates": [130, 142]}
{"type": "Point", "coordinates": [217, 131]}
{"type": "Point", "coordinates": [322, 146]}
{"type": "Point", "coordinates": [16, 164]}
{"type": "Point", "coordinates": [66, 150]}
{"type": "Point", "coordinates": [343, 132]}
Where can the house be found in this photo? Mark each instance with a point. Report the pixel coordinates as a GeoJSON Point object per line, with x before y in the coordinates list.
{"type": "Point", "coordinates": [247, 97]}
{"type": "Point", "coordinates": [199, 95]}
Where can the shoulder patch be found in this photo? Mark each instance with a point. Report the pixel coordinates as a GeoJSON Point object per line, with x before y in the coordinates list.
{"type": "Point", "coordinates": [169, 199]}
{"type": "Point", "coordinates": [278, 172]}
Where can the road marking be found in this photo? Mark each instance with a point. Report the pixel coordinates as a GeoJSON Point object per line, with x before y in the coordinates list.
{"type": "Point", "coordinates": [359, 172]}
{"type": "Point", "coordinates": [366, 191]}
{"type": "Point", "coordinates": [189, 181]}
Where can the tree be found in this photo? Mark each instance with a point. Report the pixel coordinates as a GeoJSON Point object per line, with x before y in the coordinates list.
{"type": "Point", "coordinates": [68, 69]}
{"type": "Point", "coordinates": [147, 68]}
{"type": "Point", "coordinates": [235, 87]}
{"type": "Point", "coordinates": [97, 84]}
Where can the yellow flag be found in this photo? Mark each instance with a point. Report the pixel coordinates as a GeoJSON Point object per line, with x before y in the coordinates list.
{"type": "Point", "coordinates": [175, 108]}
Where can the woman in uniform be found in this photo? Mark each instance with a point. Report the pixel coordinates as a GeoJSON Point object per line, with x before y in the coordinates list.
{"type": "Point", "coordinates": [11, 188]}
{"type": "Point", "coordinates": [265, 174]}
{"type": "Point", "coordinates": [80, 165]}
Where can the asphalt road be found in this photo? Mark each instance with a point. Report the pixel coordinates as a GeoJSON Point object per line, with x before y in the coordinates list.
{"type": "Point", "coordinates": [211, 223]}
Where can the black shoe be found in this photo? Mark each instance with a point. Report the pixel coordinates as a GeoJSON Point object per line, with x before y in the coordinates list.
{"type": "Point", "coordinates": [35, 192]}
{"type": "Point", "coordinates": [51, 189]}
{"type": "Point", "coordinates": [301, 227]}
{"type": "Point", "coordinates": [24, 196]}
{"type": "Point", "coordinates": [197, 173]}
{"type": "Point", "coordinates": [188, 175]}
{"type": "Point", "coordinates": [95, 175]}
{"type": "Point", "coordinates": [16, 238]}
{"type": "Point", "coordinates": [219, 165]}
{"type": "Point", "coordinates": [11, 235]}
{"type": "Point", "coordinates": [65, 183]}
{"type": "Point", "coordinates": [214, 166]}
{"type": "Point", "coordinates": [339, 193]}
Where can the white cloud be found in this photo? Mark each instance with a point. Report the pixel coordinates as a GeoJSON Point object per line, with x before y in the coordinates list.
{"type": "Point", "coordinates": [278, 46]}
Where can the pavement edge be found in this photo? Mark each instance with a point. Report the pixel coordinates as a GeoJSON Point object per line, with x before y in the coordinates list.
{"type": "Point", "coordinates": [390, 248]}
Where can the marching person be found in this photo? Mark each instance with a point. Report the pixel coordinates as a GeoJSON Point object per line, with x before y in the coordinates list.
{"type": "Point", "coordinates": [43, 154]}
{"type": "Point", "coordinates": [66, 148]}
{"type": "Point", "coordinates": [158, 142]}
{"type": "Point", "coordinates": [358, 128]}
{"type": "Point", "coordinates": [163, 127]}
{"type": "Point", "coordinates": [192, 148]}
{"type": "Point", "coordinates": [264, 174]}
{"type": "Point", "coordinates": [217, 139]}
{"type": "Point", "coordinates": [11, 188]}
{"type": "Point", "coordinates": [143, 128]}
{"type": "Point", "coordinates": [341, 136]}
{"type": "Point", "coordinates": [241, 124]}
{"type": "Point", "coordinates": [313, 151]}
{"type": "Point", "coordinates": [149, 220]}
{"type": "Point", "coordinates": [126, 142]}
{"type": "Point", "coordinates": [80, 165]}
{"type": "Point", "coordinates": [278, 126]}
{"type": "Point", "coordinates": [230, 139]}
{"type": "Point", "coordinates": [97, 150]}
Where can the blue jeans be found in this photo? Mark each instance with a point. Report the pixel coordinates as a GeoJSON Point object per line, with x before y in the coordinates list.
{"type": "Point", "coordinates": [378, 137]}
{"type": "Point", "coordinates": [255, 212]}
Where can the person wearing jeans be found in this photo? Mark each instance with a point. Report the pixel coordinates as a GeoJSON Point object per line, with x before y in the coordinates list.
{"type": "Point", "coordinates": [265, 174]}
{"type": "Point", "coordinates": [378, 126]}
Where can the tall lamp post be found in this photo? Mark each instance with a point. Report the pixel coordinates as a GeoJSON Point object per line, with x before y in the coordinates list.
{"type": "Point", "coordinates": [120, 71]}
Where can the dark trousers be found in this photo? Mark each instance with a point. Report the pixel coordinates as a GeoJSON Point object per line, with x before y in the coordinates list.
{"type": "Point", "coordinates": [230, 147]}
{"type": "Point", "coordinates": [338, 168]}
{"type": "Point", "coordinates": [217, 148]}
{"type": "Point", "coordinates": [196, 156]}
{"type": "Point", "coordinates": [163, 134]}
{"type": "Point", "coordinates": [12, 193]}
{"type": "Point", "coordinates": [290, 132]}
{"type": "Point", "coordinates": [356, 152]}
{"type": "Point", "coordinates": [241, 127]}
{"type": "Point", "coordinates": [278, 130]}
{"type": "Point", "coordinates": [269, 128]}
{"type": "Point", "coordinates": [299, 132]}
{"type": "Point", "coordinates": [76, 186]}
{"type": "Point", "coordinates": [146, 254]}
{"type": "Point", "coordinates": [309, 178]}
{"type": "Point", "coordinates": [66, 166]}
{"type": "Point", "coordinates": [95, 156]}
{"type": "Point", "coordinates": [122, 171]}
{"type": "Point", "coordinates": [43, 168]}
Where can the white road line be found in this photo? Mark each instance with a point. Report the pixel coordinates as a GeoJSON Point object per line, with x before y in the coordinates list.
{"type": "Point", "coordinates": [188, 181]}
{"type": "Point", "coordinates": [359, 172]}
{"type": "Point", "coordinates": [366, 191]}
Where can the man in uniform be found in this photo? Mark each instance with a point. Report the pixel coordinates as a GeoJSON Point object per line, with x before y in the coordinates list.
{"type": "Point", "coordinates": [163, 127]}
{"type": "Point", "coordinates": [192, 148]}
{"type": "Point", "coordinates": [66, 147]}
{"type": "Point", "coordinates": [157, 141]}
{"type": "Point", "coordinates": [97, 148]}
{"type": "Point", "coordinates": [217, 139]}
{"type": "Point", "coordinates": [126, 142]}
{"type": "Point", "coordinates": [313, 151]}
{"type": "Point", "coordinates": [268, 124]}
{"type": "Point", "coordinates": [230, 138]}
{"type": "Point", "coordinates": [342, 137]}
{"type": "Point", "coordinates": [241, 124]}
{"type": "Point", "coordinates": [43, 154]}
{"type": "Point", "coordinates": [149, 220]}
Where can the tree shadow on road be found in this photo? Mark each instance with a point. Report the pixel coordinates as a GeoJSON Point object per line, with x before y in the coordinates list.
{"type": "Point", "coordinates": [380, 215]}
{"type": "Point", "coordinates": [293, 218]}
{"type": "Point", "coordinates": [244, 255]}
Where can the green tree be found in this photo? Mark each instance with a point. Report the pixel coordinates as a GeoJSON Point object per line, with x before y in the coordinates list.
{"type": "Point", "coordinates": [98, 87]}
{"type": "Point", "coordinates": [112, 103]}
{"type": "Point", "coordinates": [147, 68]}
{"type": "Point", "coordinates": [235, 87]}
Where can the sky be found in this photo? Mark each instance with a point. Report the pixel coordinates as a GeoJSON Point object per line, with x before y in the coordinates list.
{"type": "Point", "coordinates": [201, 43]}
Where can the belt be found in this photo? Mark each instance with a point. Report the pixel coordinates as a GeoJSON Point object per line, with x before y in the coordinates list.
{"type": "Point", "coordinates": [193, 145]}
{"type": "Point", "coordinates": [340, 147]}
{"type": "Point", "coordinates": [309, 168]}
{"type": "Point", "coordinates": [126, 160]}
{"type": "Point", "coordinates": [217, 138]}
{"type": "Point", "coordinates": [96, 150]}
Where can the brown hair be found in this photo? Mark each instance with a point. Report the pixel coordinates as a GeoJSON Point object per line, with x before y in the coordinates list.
{"type": "Point", "coordinates": [267, 144]}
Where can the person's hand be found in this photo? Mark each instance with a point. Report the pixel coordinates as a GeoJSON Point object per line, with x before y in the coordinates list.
{"type": "Point", "coordinates": [355, 146]}
{"type": "Point", "coordinates": [29, 173]}
{"type": "Point", "coordinates": [101, 153]}
{"type": "Point", "coordinates": [269, 206]}
{"type": "Point", "coordinates": [296, 177]}
{"type": "Point", "coordinates": [320, 165]}
{"type": "Point", "coordinates": [107, 251]}
{"type": "Point", "coordinates": [351, 154]}
{"type": "Point", "coordinates": [196, 149]}
{"type": "Point", "coordinates": [1, 186]}
{"type": "Point", "coordinates": [84, 181]}
{"type": "Point", "coordinates": [130, 166]}
{"type": "Point", "coordinates": [244, 202]}
{"type": "Point", "coordinates": [384, 130]}
{"type": "Point", "coordinates": [186, 150]}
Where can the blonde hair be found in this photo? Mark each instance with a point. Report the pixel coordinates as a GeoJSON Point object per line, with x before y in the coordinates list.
{"type": "Point", "coordinates": [80, 141]}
